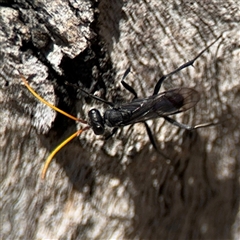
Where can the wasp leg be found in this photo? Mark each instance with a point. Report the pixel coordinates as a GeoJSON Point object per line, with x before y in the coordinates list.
{"type": "Point", "coordinates": [127, 86]}
{"type": "Point", "coordinates": [153, 141]}
{"type": "Point", "coordinates": [187, 127]}
{"type": "Point", "coordinates": [113, 132]}
{"type": "Point", "coordinates": [97, 98]}
{"type": "Point", "coordinates": [185, 65]}
{"type": "Point", "coordinates": [178, 124]}
{"type": "Point", "coordinates": [150, 135]}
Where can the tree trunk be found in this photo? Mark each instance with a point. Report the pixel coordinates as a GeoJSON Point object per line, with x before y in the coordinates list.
{"type": "Point", "coordinates": [120, 188]}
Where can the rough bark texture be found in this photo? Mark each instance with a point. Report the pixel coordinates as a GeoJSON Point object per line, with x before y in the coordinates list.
{"type": "Point", "coordinates": [120, 188]}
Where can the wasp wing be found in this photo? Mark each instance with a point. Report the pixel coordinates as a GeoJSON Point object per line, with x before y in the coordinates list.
{"type": "Point", "coordinates": [164, 104]}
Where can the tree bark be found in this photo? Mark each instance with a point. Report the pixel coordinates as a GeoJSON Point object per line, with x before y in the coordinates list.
{"type": "Point", "coordinates": [120, 188]}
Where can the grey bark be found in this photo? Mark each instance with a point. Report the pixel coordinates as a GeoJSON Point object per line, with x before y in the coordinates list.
{"type": "Point", "coordinates": [120, 188]}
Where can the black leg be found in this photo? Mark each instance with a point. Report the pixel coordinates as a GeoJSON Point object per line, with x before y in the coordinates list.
{"type": "Point", "coordinates": [97, 98]}
{"type": "Point", "coordinates": [126, 73]}
{"type": "Point", "coordinates": [113, 132]}
{"type": "Point", "coordinates": [128, 87]}
{"type": "Point", "coordinates": [152, 140]}
{"type": "Point", "coordinates": [150, 135]}
{"type": "Point", "coordinates": [185, 65]}
{"type": "Point", "coordinates": [187, 127]}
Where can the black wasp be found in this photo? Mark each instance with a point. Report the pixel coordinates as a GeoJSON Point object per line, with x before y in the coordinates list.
{"type": "Point", "coordinates": [138, 110]}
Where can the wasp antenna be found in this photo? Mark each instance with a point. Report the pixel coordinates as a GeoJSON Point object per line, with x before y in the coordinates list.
{"type": "Point", "coordinates": [59, 147]}
{"type": "Point", "coordinates": [49, 104]}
